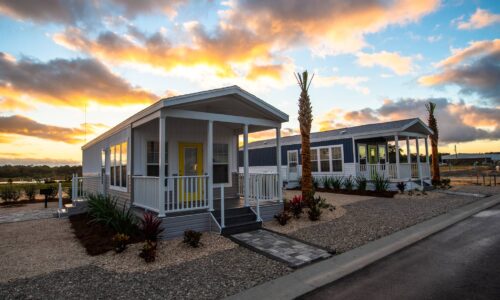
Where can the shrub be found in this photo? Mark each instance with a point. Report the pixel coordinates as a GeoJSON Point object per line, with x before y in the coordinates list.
{"type": "Point", "coordinates": [148, 251]}
{"type": "Point", "coordinates": [336, 182]}
{"type": "Point", "coordinates": [361, 183]}
{"type": "Point", "coordinates": [296, 206]}
{"type": "Point", "coordinates": [445, 183]}
{"type": "Point", "coordinates": [314, 211]}
{"type": "Point", "coordinates": [120, 241]}
{"type": "Point", "coordinates": [30, 191]}
{"type": "Point", "coordinates": [325, 182]}
{"type": "Point", "coordinates": [315, 182]}
{"type": "Point", "coordinates": [103, 209]}
{"type": "Point", "coordinates": [192, 238]}
{"type": "Point", "coordinates": [151, 226]}
{"type": "Point", "coordinates": [349, 183]}
{"type": "Point", "coordinates": [381, 183]}
{"type": "Point", "coordinates": [124, 221]}
{"type": "Point", "coordinates": [282, 218]}
{"type": "Point", "coordinates": [401, 187]}
{"type": "Point", "coordinates": [10, 193]}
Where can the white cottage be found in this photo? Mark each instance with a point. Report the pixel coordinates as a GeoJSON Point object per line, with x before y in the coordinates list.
{"type": "Point", "coordinates": [179, 158]}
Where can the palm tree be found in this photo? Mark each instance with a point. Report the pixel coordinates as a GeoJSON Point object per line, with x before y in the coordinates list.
{"type": "Point", "coordinates": [431, 107]}
{"type": "Point", "coordinates": [305, 120]}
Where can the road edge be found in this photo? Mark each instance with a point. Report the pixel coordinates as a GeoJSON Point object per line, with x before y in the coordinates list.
{"type": "Point", "coordinates": [311, 277]}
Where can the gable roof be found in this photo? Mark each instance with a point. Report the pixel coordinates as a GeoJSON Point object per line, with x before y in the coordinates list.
{"type": "Point", "coordinates": [172, 102]}
{"type": "Point", "coordinates": [347, 132]}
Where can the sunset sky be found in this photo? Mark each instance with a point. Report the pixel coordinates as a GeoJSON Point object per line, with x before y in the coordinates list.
{"type": "Point", "coordinates": [373, 61]}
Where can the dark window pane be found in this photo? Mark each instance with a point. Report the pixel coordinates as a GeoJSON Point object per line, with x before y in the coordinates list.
{"type": "Point", "coordinates": [221, 174]}
{"type": "Point", "coordinates": [124, 176]}
{"type": "Point", "coordinates": [325, 166]}
{"type": "Point", "coordinates": [314, 166]}
{"type": "Point", "coordinates": [337, 165]}
{"type": "Point", "coordinates": [153, 170]}
{"type": "Point", "coordinates": [112, 176]}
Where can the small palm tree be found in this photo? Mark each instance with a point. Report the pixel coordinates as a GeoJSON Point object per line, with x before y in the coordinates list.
{"type": "Point", "coordinates": [431, 107]}
{"type": "Point", "coordinates": [305, 121]}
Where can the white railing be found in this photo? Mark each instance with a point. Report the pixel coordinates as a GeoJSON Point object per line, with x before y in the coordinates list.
{"type": "Point", "coordinates": [370, 171]}
{"type": "Point", "coordinates": [426, 170]}
{"type": "Point", "coordinates": [414, 170]}
{"type": "Point", "coordinates": [404, 171]}
{"type": "Point", "coordinates": [81, 187]}
{"type": "Point", "coordinates": [390, 171]}
{"type": "Point", "coordinates": [263, 186]}
{"type": "Point", "coordinates": [186, 193]}
{"type": "Point", "coordinates": [146, 192]}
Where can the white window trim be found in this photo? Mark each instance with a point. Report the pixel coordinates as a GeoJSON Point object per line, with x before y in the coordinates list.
{"type": "Point", "coordinates": [119, 187]}
{"type": "Point", "coordinates": [288, 159]}
{"type": "Point", "coordinates": [318, 161]}
{"type": "Point", "coordinates": [157, 164]}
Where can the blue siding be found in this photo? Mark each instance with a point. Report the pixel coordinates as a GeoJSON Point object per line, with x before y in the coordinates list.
{"type": "Point", "coordinates": [267, 156]}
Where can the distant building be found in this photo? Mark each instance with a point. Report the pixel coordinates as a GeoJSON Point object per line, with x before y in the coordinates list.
{"type": "Point", "coordinates": [469, 158]}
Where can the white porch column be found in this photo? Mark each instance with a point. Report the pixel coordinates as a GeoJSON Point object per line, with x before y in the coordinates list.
{"type": "Point", "coordinates": [246, 178]}
{"type": "Point", "coordinates": [278, 164]}
{"type": "Point", "coordinates": [419, 165]}
{"type": "Point", "coordinates": [210, 164]}
{"type": "Point", "coordinates": [161, 161]}
{"type": "Point", "coordinates": [408, 151]}
{"type": "Point", "coordinates": [396, 139]}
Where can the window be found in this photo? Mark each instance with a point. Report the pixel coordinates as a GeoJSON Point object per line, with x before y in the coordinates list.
{"type": "Point", "coordinates": [314, 160]}
{"type": "Point", "coordinates": [103, 166]}
{"type": "Point", "coordinates": [324, 157]}
{"type": "Point", "coordinates": [293, 160]}
{"type": "Point", "coordinates": [221, 163]}
{"type": "Point", "coordinates": [153, 158]}
{"type": "Point", "coordinates": [118, 165]}
{"type": "Point", "coordinates": [336, 159]}
{"type": "Point", "coordinates": [381, 154]}
{"type": "Point", "coordinates": [362, 153]}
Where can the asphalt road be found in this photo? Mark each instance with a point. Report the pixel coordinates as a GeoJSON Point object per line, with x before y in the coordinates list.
{"type": "Point", "coordinates": [460, 262]}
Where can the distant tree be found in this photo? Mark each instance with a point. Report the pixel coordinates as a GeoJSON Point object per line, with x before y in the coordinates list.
{"type": "Point", "coordinates": [432, 122]}
{"type": "Point", "coordinates": [305, 121]}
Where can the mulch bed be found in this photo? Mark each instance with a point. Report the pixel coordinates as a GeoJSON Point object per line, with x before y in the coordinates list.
{"type": "Point", "coordinates": [96, 237]}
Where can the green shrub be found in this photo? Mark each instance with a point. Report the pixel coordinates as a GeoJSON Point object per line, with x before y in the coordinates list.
{"type": "Point", "coordinates": [120, 242]}
{"type": "Point", "coordinates": [336, 182]}
{"type": "Point", "coordinates": [103, 209]}
{"type": "Point", "coordinates": [10, 193]}
{"type": "Point", "coordinates": [30, 191]}
{"type": "Point", "coordinates": [401, 187]}
{"type": "Point", "coordinates": [315, 182]}
{"type": "Point", "coordinates": [148, 251]}
{"type": "Point", "coordinates": [314, 211]}
{"type": "Point", "coordinates": [192, 238]}
{"type": "Point", "coordinates": [361, 183]}
{"type": "Point", "coordinates": [325, 182]}
{"type": "Point", "coordinates": [381, 183]}
{"type": "Point", "coordinates": [349, 183]}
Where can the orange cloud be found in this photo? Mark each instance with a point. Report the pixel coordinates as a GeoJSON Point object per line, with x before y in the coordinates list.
{"type": "Point", "coordinates": [64, 82]}
{"type": "Point", "coordinates": [272, 71]}
{"type": "Point", "coordinates": [480, 19]}
{"type": "Point", "coordinates": [19, 125]}
{"type": "Point", "coordinates": [400, 65]}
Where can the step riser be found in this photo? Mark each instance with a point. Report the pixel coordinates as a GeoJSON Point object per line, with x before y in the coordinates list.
{"type": "Point", "coordinates": [236, 221]}
{"type": "Point", "coordinates": [240, 229]}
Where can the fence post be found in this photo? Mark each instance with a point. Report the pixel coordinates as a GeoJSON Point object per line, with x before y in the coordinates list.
{"type": "Point", "coordinates": [222, 217]}
{"type": "Point", "coordinates": [60, 196]}
{"type": "Point", "coordinates": [257, 199]}
{"type": "Point", "coordinates": [73, 189]}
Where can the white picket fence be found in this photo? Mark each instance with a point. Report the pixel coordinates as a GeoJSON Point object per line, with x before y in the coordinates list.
{"type": "Point", "coordinates": [262, 186]}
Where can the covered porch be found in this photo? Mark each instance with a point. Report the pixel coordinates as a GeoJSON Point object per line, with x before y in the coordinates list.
{"type": "Point", "coordinates": [184, 157]}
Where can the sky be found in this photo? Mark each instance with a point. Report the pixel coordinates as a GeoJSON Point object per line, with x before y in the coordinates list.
{"type": "Point", "coordinates": [70, 70]}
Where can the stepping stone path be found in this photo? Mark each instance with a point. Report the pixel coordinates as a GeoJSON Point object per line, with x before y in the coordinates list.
{"type": "Point", "coordinates": [282, 248]}
{"type": "Point", "coordinates": [28, 215]}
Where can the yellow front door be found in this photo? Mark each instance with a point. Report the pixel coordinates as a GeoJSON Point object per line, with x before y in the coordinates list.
{"type": "Point", "coordinates": [191, 165]}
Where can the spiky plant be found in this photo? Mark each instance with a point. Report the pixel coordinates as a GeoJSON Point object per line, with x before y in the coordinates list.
{"type": "Point", "coordinates": [432, 122]}
{"type": "Point", "coordinates": [305, 121]}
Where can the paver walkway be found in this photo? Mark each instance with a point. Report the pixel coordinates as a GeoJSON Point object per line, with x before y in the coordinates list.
{"type": "Point", "coordinates": [290, 251]}
{"type": "Point", "coordinates": [28, 215]}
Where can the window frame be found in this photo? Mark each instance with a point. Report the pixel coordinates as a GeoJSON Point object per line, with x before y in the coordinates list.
{"type": "Point", "coordinates": [116, 169]}
{"type": "Point", "coordinates": [158, 155]}
{"type": "Point", "coordinates": [228, 182]}
{"type": "Point", "coordinates": [330, 158]}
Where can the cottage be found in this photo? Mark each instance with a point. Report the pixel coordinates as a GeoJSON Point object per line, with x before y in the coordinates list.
{"type": "Point", "coordinates": [389, 149]}
{"type": "Point", "coordinates": [178, 158]}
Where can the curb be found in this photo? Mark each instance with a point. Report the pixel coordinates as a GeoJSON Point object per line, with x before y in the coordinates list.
{"type": "Point", "coordinates": [311, 277]}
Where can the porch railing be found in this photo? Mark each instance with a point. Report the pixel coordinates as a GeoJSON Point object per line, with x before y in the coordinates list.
{"type": "Point", "coordinates": [81, 187]}
{"type": "Point", "coordinates": [262, 186]}
{"type": "Point", "coordinates": [146, 192]}
{"type": "Point", "coordinates": [390, 171]}
{"type": "Point", "coordinates": [182, 193]}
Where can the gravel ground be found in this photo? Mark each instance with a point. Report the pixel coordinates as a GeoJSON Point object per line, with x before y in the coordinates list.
{"type": "Point", "coordinates": [479, 189]}
{"type": "Point", "coordinates": [211, 277]}
{"type": "Point", "coordinates": [370, 220]}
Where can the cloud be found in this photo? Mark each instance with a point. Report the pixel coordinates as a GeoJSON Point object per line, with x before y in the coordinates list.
{"type": "Point", "coordinates": [349, 82]}
{"type": "Point", "coordinates": [475, 69]}
{"type": "Point", "coordinates": [458, 122]}
{"type": "Point", "coordinates": [76, 12]}
{"type": "Point", "coordinates": [19, 125]}
{"type": "Point", "coordinates": [480, 19]}
{"type": "Point", "coordinates": [400, 65]}
{"type": "Point", "coordinates": [64, 82]}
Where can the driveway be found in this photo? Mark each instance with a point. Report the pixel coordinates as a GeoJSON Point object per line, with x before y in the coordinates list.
{"type": "Point", "coordinates": [461, 262]}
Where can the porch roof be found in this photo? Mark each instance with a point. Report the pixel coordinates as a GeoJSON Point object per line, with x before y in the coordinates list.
{"type": "Point", "coordinates": [402, 127]}
{"type": "Point", "coordinates": [231, 100]}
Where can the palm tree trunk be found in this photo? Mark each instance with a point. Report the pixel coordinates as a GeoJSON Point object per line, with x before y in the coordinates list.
{"type": "Point", "coordinates": [307, 186]}
{"type": "Point", "coordinates": [436, 177]}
